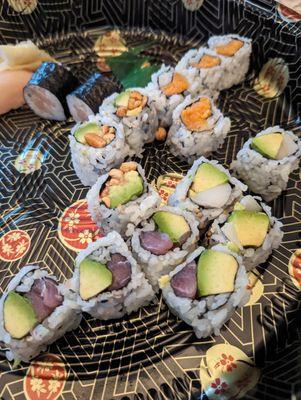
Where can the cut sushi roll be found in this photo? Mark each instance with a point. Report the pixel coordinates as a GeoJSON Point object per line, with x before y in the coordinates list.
{"type": "Point", "coordinates": [86, 99]}
{"type": "Point", "coordinates": [96, 147]}
{"type": "Point", "coordinates": [120, 197]}
{"type": "Point", "coordinates": [205, 290]}
{"type": "Point", "coordinates": [163, 240]}
{"type": "Point", "coordinates": [136, 110]}
{"type": "Point", "coordinates": [266, 161]}
{"type": "Point", "coordinates": [250, 230]}
{"type": "Point", "coordinates": [34, 312]}
{"type": "Point", "coordinates": [198, 128]}
{"type": "Point", "coordinates": [46, 91]}
{"type": "Point", "coordinates": [107, 280]}
{"type": "Point", "coordinates": [207, 190]}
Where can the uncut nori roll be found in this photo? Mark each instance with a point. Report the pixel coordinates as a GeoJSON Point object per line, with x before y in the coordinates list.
{"type": "Point", "coordinates": [46, 92]}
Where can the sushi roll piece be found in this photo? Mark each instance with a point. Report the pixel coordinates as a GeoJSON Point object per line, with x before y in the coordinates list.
{"type": "Point", "coordinates": [34, 312]}
{"type": "Point", "coordinates": [163, 240]}
{"type": "Point", "coordinates": [136, 110]}
{"type": "Point", "coordinates": [250, 230]}
{"type": "Point", "coordinates": [46, 91]}
{"type": "Point", "coordinates": [206, 289]}
{"type": "Point", "coordinates": [266, 161]}
{"type": "Point", "coordinates": [207, 190]}
{"type": "Point", "coordinates": [121, 196]}
{"type": "Point", "coordinates": [86, 99]}
{"type": "Point", "coordinates": [198, 128]}
{"type": "Point", "coordinates": [108, 281]}
{"type": "Point", "coordinates": [96, 147]}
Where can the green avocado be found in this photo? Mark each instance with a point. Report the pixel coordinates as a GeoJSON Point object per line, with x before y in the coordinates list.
{"type": "Point", "coordinates": [19, 315]}
{"type": "Point", "coordinates": [251, 227]}
{"type": "Point", "coordinates": [89, 127]}
{"type": "Point", "coordinates": [94, 278]}
{"type": "Point", "coordinates": [122, 99]}
{"type": "Point", "coordinates": [208, 176]}
{"type": "Point", "coordinates": [175, 226]}
{"type": "Point", "coordinates": [268, 145]}
{"type": "Point", "coordinates": [122, 194]}
{"type": "Point", "coordinates": [216, 273]}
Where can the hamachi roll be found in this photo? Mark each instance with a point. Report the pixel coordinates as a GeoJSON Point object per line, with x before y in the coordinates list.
{"type": "Point", "coordinates": [34, 312]}
{"type": "Point", "coordinates": [121, 196]}
{"type": "Point", "coordinates": [96, 147]}
{"type": "Point", "coordinates": [198, 128]}
{"type": "Point", "coordinates": [250, 230]}
{"type": "Point", "coordinates": [206, 289]}
{"type": "Point", "coordinates": [136, 110]}
{"type": "Point", "coordinates": [46, 91]}
{"type": "Point", "coordinates": [163, 240]}
{"type": "Point", "coordinates": [266, 161]}
{"type": "Point", "coordinates": [86, 99]}
{"type": "Point", "coordinates": [108, 281]}
{"type": "Point", "coordinates": [207, 190]}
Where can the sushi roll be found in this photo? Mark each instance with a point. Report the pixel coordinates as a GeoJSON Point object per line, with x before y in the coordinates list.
{"type": "Point", "coordinates": [206, 289]}
{"type": "Point", "coordinates": [207, 190]}
{"type": "Point", "coordinates": [266, 161]}
{"type": "Point", "coordinates": [96, 147]}
{"type": "Point", "coordinates": [163, 240]}
{"type": "Point", "coordinates": [136, 110]}
{"type": "Point", "coordinates": [121, 196]}
{"type": "Point", "coordinates": [198, 128]}
{"type": "Point", "coordinates": [47, 89]}
{"type": "Point", "coordinates": [86, 99]}
{"type": "Point", "coordinates": [34, 312]}
{"type": "Point", "coordinates": [250, 230]}
{"type": "Point", "coordinates": [107, 280]}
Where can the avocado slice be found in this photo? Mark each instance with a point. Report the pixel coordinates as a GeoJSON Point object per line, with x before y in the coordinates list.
{"type": "Point", "coordinates": [251, 227]}
{"type": "Point", "coordinates": [216, 273]}
{"type": "Point", "coordinates": [19, 315]}
{"type": "Point", "coordinates": [175, 226]}
{"type": "Point", "coordinates": [122, 194]}
{"type": "Point", "coordinates": [208, 176]}
{"type": "Point", "coordinates": [122, 99]}
{"type": "Point", "coordinates": [268, 145]}
{"type": "Point", "coordinates": [89, 127]}
{"type": "Point", "coordinates": [94, 278]}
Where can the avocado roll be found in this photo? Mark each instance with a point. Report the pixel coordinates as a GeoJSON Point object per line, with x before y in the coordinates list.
{"type": "Point", "coordinates": [250, 230]}
{"type": "Point", "coordinates": [266, 161]}
{"type": "Point", "coordinates": [121, 196]}
{"type": "Point", "coordinates": [46, 91]}
{"type": "Point", "coordinates": [207, 190]}
{"type": "Point", "coordinates": [198, 128]}
{"type": "Point", "coordinates": [163, 240]}
{"type": "Point", "coordinates": [97, 146]}
{"type": "Point", "coordinates": [34, 312]}
{"type": "Point", "coordinates": [107, 280]}
{"type": "Point", "coordinates": [206, 289]}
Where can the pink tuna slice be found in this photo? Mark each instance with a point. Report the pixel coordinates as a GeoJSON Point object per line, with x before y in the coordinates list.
{"type": "Point", "coordinates": [156, 242]}
{"type": "Point", "coordinates": [121, 270]}
{"type": "Point", "coordinates": [184, 282]}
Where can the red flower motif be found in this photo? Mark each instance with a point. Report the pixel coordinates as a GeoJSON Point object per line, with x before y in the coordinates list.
{"type": "Point", "coordinates": [227, 361]}
{"type": "Point", "coordinates": [220, 387]}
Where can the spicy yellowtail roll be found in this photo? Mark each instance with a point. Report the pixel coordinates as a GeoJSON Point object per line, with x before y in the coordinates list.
{"type": "Point", "coordinates": [120, 197]}
{"type": "Point", "coordinates": [266, 161]}
{"type": "Point", "coordinates": [198, 128]}
{"type": "Point", "coordinates": [250, 230]}
{"type": "Point", "coordinates": [163, 240]}
{"type": "Point", "coordinates": [107, 280]}
{"type": "Point", "coordinates": [207, 190]}
{"type": "Point", "coordinates": [96, 147]}
{"type": "Point", "coordinates": [34, 312]}
{"type": "Point", "coordinates": [206, 289]}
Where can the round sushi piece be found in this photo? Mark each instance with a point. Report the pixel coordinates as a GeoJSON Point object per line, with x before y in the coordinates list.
{"type": "Point", "coordinates": [35, 312]}
{"type": "Point", "coordinates": [198, 128]}
{"type": "Point", "coordinates": [207, 190]}
{"type": "Point", "coordinates": [235, 52]}
{"type": "Point", "coordinates": [86, 99]}
{"type": "Point", "coordinates": [163, 240]}
{"type": "Point", "coordinates": [250, 230]}
{"type": "Point", "coordinates": [96, 147]}
{"type": "Point", "coordinates": [266, 161]}
{"type": "Point", "coordinates": [120, 197]}
{"type": "Point", "coordinates": [47, 89]}
{"type": "Point", "coordinates": [108, 281]}
{"type": "Point", "coordinates": [136, 110]}
{"type": "Point", "coordinates": [206, 289]}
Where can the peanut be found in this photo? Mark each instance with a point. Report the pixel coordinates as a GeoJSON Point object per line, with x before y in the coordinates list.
{"type": "Point", "coordinates": [128, 166]}
{"type": "Point", "coordinates": [161, 134]}
{"type": "Point", "coordinates": [105, 129]}
{"type": "Point", "coordinates": [112, 130]}
{"type": "Point", "coordinates": [136, 96]}
{"type": "Point", "coordinates": [107, 201]}
{"type": "Point", "coordinates": [108, 137]}
{"type": "Point", "coordinates": [116, 173]}
{"type": "Point", "coordinates": [95, 140]}
{"type": "Point", "coordinates": [121, 112]}
{"type": "Point", "coordinates": [105, 192]}
{"type": "Point", "coordinates": [114, 182]}
{"type": "Point", "coordinates": [144, 101]}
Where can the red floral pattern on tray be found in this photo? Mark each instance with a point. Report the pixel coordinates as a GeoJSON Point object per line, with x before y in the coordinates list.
{"type": "Point", "coordinates": [14, 245]}
{"type": "Point", "coordinates": [294, 268]}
